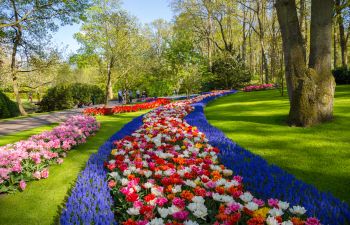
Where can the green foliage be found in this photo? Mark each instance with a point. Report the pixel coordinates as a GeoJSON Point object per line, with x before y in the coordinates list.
{"type": "Point", "coordinates": [229, 72]}
{"type": "Point", "coordinates": [67, 96]}
{"type": "Point", "coordinates": [341, 75]}
{"type": "Point", "coordinates": [8, 108]}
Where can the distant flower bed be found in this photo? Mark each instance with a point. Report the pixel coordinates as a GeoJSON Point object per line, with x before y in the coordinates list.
{"type": "Point", "coordinates": [126, 108]}
{"type": "Point", "coordinates": [258, 87]}
{"type": "Point", "coordinates": [29, 159]}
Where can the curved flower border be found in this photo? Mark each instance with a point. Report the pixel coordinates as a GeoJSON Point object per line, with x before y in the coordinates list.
{"type": "Point", "coordinates": [90, 201]}
{"type": "Point", "coordinates": [268, 180]}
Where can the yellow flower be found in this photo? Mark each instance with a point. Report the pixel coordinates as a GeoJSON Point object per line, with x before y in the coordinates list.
{"type": "Point", "coordinates": [198, 182]}
{"type": "Point", "coordinates": [199, 145]}
{"type": "Point", "coordinates": [183, 147]}
{"type": "Point", "coordinates": [262, 212]}
{"type": "Point", "coordinates": [114, 151]}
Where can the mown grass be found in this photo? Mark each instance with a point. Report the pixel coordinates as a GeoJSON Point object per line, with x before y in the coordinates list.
{"type": "Point", "coordinates": [40, 203]}
{"type": "Point", "coordinates": [319, 155]}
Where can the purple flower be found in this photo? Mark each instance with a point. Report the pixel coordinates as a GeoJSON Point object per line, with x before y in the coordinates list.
{"type": "Point", "coordinates": [182, 215]}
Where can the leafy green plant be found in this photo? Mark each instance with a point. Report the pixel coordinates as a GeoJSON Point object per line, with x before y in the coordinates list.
{"type": "Point", "coordinates": [67, 96]}
{"type": "Point", "coordinates": [230, 72]}
{"type": "Point", "coordinates": [341, 75]}
{"type": "Point", "coordinates": [8, 108]}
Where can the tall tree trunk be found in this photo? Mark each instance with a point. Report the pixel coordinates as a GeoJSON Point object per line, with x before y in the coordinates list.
{"type": "Point", "coordinates": [303, 28]}
{"type": "Point", "coordinates": [311, 90]}
{"type": "Point", "coordinates": [209, 43]}
{"type": "Point", "coordinates": [244, 36]}
{"type": "Point", "coordinates": [251, 55]}
{"type": "Point", "coordinates": [264, 61]}
{"type": "Point", "coordinates": [261, 14]}
{"type": "Point", "coordinates": [273, 51]}
{"type": "Point", "coordinates": [342, 36]}
{"type": "Point", "coordinates": [320, 57]}
{"type": "Point", "coordinates": [335, 41]}
{"type": "Point", "coordinates": [109, 88]}
{"type": "Point", "coordinates": [16, 42]}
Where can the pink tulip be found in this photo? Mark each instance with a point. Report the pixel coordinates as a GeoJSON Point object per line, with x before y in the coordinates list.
{"type": "Point", "coordinates": [22, 185]}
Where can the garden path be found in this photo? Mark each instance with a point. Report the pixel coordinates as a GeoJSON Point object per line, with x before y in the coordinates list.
{"type": "Point", "coordinates": [26, 123]}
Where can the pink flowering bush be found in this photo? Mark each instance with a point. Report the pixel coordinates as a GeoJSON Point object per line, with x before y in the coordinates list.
{"type": "Point", "coordinates": [29, 159]}
{"type": "Point", "coordinates": [258, 87]}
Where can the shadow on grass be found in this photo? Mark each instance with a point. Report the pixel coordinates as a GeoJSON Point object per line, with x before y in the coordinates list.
{"type": "Point", "coordinates": [318, 155]}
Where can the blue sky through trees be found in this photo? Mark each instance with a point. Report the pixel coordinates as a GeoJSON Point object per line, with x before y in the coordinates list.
{"type": "Point", "coordinates": [145, 10]}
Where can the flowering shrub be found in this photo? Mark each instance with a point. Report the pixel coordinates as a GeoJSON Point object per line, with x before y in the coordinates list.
{"type": "Point", "coordinates": [126, 108]}
{"type": "Point", "coordinates": [29, 159]}
{"type": "Point", "coordinates": [258, 87]}
{"type": "Point", "coordinates": [166, 172]}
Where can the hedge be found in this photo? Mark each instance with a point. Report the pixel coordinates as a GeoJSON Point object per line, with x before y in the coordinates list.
{"type": "Point", "coordinates": [341, 75]}
{"type": "Point", "coordinates": [8, 108]}
{"type": "Point", "coordinates": [67, 96]}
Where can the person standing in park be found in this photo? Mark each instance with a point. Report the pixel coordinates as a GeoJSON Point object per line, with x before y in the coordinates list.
{"type": "Point", "coordinates": [137, 93]}
{"type": "Point", "coordinates": [120, 96]}
{"type": "Point", "coordinates": [130, 96]}
{"type": "Point", "coordinates": [125, 94]}
{"type": "Point", "coordinates": [30, 97]}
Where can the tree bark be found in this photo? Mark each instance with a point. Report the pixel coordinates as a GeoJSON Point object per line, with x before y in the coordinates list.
{"type": "Point", "coordinates": [342, 36]}
{"type": "Point", "coordinates": [16, 42]}
{"type": "Point", "coordinates": [302, 18]}
{"type": "Point", "coordinates": [260, 11]}
{"type": "Point", "coordinates": [109, 88]}
{"type": "Point", "coordinates": [244, 35]}
{"type": "Point", "coordinates": [210, 24]}
{"type": "Point", "coordinates": [335, 42]}
{"type": "Point", "coordinates": [310, 89]}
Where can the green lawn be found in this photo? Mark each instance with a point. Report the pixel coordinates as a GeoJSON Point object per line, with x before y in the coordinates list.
{"type": "Point", "coordinates": [319, 155]}
{"type": "Point", "coordinates": [41, 201]}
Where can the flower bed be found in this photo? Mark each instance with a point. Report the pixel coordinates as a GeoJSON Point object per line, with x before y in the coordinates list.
{"type": "Point", "coordinates": [29, 159]}
{"type": "Point", "coordinates": [91, 202]}
{"type": "Point", "coordinates": [166, 172]}
{"type": "Point", "coordinates": [126, 108]}
{"type": "Point", "coordinates": [258, 87]}
{"type": "Point", "coordinates": [266, 180]}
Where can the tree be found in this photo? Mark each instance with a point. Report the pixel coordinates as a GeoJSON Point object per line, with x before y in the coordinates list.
{"type": "Point", "coordinates": [230, 72]}
{"type": "Point", "coordinates": [310, 88]}
{"type": "Point", "coordinates": [26, 24]}
{"type": "Point", "coordinates": [111, 34]}
{"type": "Point", "coordinates": [342, 18]}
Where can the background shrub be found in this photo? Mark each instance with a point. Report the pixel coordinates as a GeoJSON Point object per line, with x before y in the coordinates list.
{"type": "Point", "coordinates": [8, 108]}
{"type": "Point", "coordinates": [341, 75]}
{"type": "Point", "coordinates": [229, 72]}
{"type": "Point", "coordinates": [67, 96]}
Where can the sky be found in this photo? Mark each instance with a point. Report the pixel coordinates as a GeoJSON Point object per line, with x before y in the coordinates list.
{"type": "Point", "coordinates": [145, 10]}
